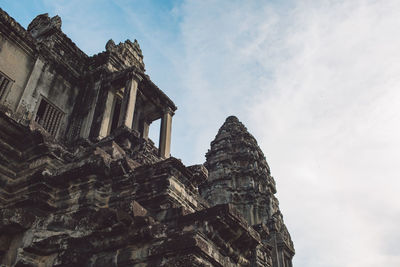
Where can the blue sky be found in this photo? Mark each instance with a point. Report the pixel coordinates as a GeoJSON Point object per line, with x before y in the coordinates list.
{"type": "Point", "coordinates": [316, 82]}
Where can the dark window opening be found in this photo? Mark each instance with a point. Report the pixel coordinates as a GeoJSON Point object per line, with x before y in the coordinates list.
{"type": "Point", "coordinates": [48, 116]}
{"type": "Point", "coordinates": [4, 82]}
{"type": "Point", "coordinates": [116, 113]}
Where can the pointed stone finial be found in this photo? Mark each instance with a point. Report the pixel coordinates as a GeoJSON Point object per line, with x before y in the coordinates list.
{"type": "Point", "coordinates": [56, 21]}
{"type": "Point", "coordinates": [110, 45]}
{"type": "Point", "coordinates": [232, 119]}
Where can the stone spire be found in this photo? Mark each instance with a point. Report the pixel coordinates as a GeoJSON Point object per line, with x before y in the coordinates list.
{"type": "Point", "coordinates": [239, 174]}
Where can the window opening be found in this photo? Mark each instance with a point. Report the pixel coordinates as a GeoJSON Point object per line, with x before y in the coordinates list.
{"type": "Point", "coordinates": [154, 132]}
{"type": "Point", "coordinates": [4, 82]}
{"type": "Point", "coordinates": [48, 116]}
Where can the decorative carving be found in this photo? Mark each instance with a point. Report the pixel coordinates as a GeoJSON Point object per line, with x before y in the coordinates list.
{"type": "Point", "coordinates": [42, 24]}
{"type": "Point", "coordinates": [129, 54]}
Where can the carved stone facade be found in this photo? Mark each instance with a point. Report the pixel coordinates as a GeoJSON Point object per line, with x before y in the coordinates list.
{"type": "Point", "coordinates": [81, 183]}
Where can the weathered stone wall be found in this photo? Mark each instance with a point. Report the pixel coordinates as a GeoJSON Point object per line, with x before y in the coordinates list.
{"type": "Point", "coordinates": [55, 88]}
{"type": "Point", "coordinates": [17, 55]}
{"type": "Point", "coordinates": [39, 68]}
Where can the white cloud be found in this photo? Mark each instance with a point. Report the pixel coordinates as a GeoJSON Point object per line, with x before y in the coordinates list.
{"type": "Point", "coordinates": [335, 114]}
{"type": "Point", "coordinates": [317, 84]}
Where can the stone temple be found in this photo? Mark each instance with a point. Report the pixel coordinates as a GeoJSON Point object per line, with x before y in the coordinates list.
{"type": "Point", "coordinates": [81, 183]}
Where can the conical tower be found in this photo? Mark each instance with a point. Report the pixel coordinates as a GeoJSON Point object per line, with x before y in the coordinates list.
{"type": "Point", "coordinates": [239, 174]}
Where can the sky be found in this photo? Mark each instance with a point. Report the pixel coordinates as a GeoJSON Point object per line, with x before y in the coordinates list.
{"type": "Point", "coordinates": [316, 82]}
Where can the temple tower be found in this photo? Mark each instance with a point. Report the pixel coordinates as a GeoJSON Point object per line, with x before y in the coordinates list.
{"type": "Point", "coordinates": [239, 174]}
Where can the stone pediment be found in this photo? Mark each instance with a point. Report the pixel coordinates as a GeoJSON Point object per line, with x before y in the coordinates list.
{"type": "Point", "coordinates": [43, 24]}
{"type": "Point", "coordinates": [128, 53]}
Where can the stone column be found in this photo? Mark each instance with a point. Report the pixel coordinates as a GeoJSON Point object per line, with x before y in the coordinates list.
{"type": "Point", "coordinates": [129, 101]}
{"type": "Point", "coordinates": [89, 118]}
{"type": "Point", "coordinates": [136, 117]}
{"type": "Point", "coordinates": [165, 134]}
{"type": "Point", "coordinates": [106, 121]}
{"type": "Point", "coordinates": [29, 97]}
{"type": "Point", "coordinates": [145, 129]}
